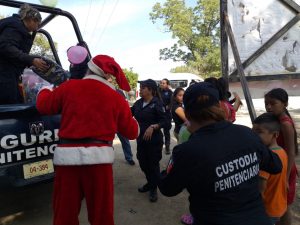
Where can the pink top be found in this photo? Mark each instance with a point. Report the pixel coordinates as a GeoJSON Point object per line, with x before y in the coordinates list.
{"type": "Point", "coordinates": [229, 111]}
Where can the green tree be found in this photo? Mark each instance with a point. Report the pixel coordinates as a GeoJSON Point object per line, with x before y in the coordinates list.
{"type": "Point", "coordinates": [184, 69]}
{"type": "Point", "coordinates": [197, 32]}
{"type": "Point", "coordinates": [132, 77]}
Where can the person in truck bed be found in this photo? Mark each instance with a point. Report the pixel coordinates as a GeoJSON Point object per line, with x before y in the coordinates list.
{"type": "Point", "coordinates": [16, 38]}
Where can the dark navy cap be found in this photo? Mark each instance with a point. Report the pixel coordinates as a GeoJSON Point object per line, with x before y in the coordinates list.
{"type": "Point", "coordinates": [202, 88]}
{"type": "Point", "coordinates": [149, 83]}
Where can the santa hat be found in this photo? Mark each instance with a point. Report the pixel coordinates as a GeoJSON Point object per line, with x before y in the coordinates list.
{"type": "Point", "coordinates": [103, 65]}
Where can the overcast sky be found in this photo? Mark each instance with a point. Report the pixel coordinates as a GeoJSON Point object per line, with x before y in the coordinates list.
{"type": "Point", "coordinates": [119, 28]}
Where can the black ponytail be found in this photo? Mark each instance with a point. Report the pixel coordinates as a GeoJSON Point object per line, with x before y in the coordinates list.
{"type": "Point", "coordinates": [281, 95]}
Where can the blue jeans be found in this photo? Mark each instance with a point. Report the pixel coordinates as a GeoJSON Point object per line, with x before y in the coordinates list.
{"type": "Point", "coordinates": [126, 147]}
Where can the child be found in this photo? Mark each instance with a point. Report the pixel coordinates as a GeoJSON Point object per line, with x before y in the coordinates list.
{"type": "Point", "coordinates": [232, 106]}
{"type": "Point", "coordinates": [276, 102]}
{"type": "Point", "coordinates": [273, 187]}
{"type": "Point", "coordinates": [223, 87]}
{"type": "Point", "coordinates": [177, 111]}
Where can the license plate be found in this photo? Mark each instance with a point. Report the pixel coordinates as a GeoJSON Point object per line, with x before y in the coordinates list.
{"type": "Point", "coordinates": [38, 168]}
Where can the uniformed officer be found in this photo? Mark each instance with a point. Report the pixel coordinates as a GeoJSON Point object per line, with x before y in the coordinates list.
{"type": "Point", "coordinates": [166, 95]}
{"type": "Point", "coordinates": [17, 33]}
{"type": "Point", "coordinates": [151, 116]}
{"type": "Point", "coordinates": [218, 165]}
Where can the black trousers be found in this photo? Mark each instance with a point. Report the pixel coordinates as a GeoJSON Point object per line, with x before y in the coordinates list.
{"type": "Point", "coordinates": [167, 136]}
{"type": "Point", "coordinates": [149, 155]}
{"type": "Point", "coordinates": [167, 129]}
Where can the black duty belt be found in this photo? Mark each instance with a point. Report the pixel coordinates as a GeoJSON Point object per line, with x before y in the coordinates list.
{"type": "Point", "coordinates": [84, 141]}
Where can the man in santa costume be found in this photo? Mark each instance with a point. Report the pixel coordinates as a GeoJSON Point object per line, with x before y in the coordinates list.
{"type": "Point", "coordinates": [92, 112]}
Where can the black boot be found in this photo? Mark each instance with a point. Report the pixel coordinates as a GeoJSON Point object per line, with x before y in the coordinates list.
{"type": "Point", "coordinates": [167, 148]}
{"type": "Point", "coordinates": [153, 195]}
{"type": "Point", "coordinates": [144, 189]}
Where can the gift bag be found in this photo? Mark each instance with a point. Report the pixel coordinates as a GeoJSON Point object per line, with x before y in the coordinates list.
{"type": "Point", "coordinates": [31, 84]}
{"type": "Point", "coordinates": [55, 74]}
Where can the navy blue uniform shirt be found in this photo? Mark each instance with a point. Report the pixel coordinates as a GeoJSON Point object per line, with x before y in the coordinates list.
{"type": "Point", "coordinates": [166, 96]}
{"type": "Point", "coordinates": [15, 44]}
{"type": "Point", "coordinates": [152, 113]}
{"type": "Point", "coordinates": [219, 167]}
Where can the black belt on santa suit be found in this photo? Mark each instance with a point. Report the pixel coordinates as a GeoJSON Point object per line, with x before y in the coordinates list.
{"type": "Point", "coordinates": [84, 141]}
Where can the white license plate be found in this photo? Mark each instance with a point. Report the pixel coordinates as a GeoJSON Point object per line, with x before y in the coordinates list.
{"type": "Point", "coordinates": [38, 168]}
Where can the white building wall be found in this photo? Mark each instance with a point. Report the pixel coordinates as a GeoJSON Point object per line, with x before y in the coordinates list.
{"type": "Point", "coordinates": [254, 22]}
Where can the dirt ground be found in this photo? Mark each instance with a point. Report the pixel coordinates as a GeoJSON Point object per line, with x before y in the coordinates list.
{"type": "Point", "coordinates": [33, 206]}
{"type": "Point", "coordinates": [134, 208]}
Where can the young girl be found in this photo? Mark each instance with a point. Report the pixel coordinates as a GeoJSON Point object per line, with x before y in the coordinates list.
{"type": "Point", "coordinates": [178, 111]}
{"type": "Point", "coordinates": [230, 106]}
{"type": "Point", "coordinates": [223, 87]}
{"type": "Point", "coordinates": [276, 102]}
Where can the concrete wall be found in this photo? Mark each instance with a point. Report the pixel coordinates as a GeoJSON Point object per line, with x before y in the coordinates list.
{"type": "Point", "coordinates": [254, 22]}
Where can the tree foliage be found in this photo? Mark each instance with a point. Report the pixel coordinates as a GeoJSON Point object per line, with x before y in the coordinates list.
{"type": "Point", "coordinates": [132, 77]}
{"type": "Point", "coordinates": [197, 32]}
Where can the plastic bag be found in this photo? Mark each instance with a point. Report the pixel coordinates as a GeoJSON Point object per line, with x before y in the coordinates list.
{"type": "Point", "coordinates": [32, 83]}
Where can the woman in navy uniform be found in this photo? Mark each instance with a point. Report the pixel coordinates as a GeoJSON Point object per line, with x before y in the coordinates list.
{"type": "Point", "coordinates": [151, 116]}
{"type": "Point", "coordinates": [17, 33]}
{"type": "Point", "coordinates": [218, 165]}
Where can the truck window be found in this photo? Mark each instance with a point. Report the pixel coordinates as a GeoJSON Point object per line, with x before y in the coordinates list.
{"type": "Point", "coordinates": [178, 83]}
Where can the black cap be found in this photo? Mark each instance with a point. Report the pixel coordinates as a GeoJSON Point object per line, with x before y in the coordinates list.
{"type": "Point", "coordinates": [202, 88]}
{"type": "Point", "coordinates": [149, 83]}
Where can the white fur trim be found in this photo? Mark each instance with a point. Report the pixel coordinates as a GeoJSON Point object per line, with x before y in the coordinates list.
{"type": "Point", "coordinates": [101, 79]}
{"type": "Point", "coordinates": [83, 155]}
{"type": "Point", "coordinates": [96, 69]}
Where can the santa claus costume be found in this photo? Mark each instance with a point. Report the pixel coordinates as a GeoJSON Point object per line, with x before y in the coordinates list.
{"type": "Point", "coordinates": [91, 114]}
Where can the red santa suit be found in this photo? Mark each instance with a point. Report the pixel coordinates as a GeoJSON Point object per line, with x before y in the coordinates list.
{"type": "Point", "coordinates": [91, 114]}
